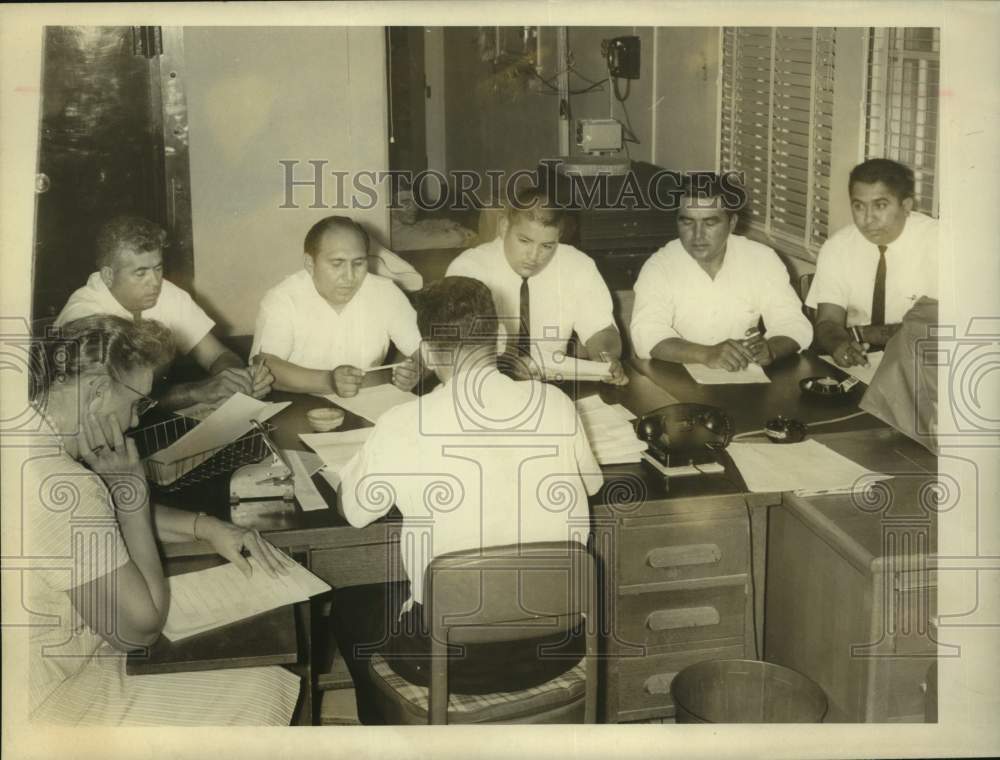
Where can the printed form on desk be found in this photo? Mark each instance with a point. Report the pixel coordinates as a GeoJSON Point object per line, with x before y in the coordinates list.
{"type": "Point", "coordinates": [808, 468]}
{"type": "Point", "coordinates": [704, 375]}
{"type": "Point", "coordinates": [218, 596]}
{"type": "Point", "coordinates": [558, 367]}
{"type": "Point", "coordinates": [609, 431]}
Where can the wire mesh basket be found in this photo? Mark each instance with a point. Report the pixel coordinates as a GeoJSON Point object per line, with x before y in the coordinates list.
{"type": "Point", "coordinates": [248, 448]}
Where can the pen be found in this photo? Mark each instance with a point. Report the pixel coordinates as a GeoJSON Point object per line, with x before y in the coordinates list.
{"type": "Point", "coordinates": [384, 366]}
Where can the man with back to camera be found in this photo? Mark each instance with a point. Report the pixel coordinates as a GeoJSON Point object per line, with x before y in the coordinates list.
{"type": "Point", "coordinates": [870, 273]}
{"type": "Point", "coordinates": [700, 298]}
{"type": "Point", "coordinates": [319, 329]}
{"type": "Point", "coordinates": [498, 445]}
{"type": "Point", "coordinates": [548, 289]}
{"type": "Point", "coordinates": [129, 283]}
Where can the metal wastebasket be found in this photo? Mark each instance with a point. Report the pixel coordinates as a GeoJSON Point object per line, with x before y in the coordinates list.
{"type": "Point", "coordinates": [745, 691]}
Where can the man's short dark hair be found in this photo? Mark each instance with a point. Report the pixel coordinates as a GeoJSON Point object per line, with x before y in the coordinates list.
{"type": "Point", "coordinates": [705, 186]}
{"type": "Point", "coordinates": [330, 224]}
{"type": "Point", "coordinates": [127, 233]}
{"type": "Point", "coordinates": [534, 204]}
{"type": "Point", "coordinates": [456, 310]}
{"type": "Point", "coordinates": [894, 175]}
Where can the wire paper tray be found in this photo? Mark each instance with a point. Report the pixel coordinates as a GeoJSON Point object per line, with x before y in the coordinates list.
{"type": "Point", "coordinates": [174, 476]}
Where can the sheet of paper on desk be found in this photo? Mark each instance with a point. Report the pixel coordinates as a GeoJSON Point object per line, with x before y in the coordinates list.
{"type": "Point", "coordinates": [864, 374]}
{"type": "Point", "coordinates": [221, 427]}
{"type": "Point", "coordinates": [372, 403]}
{"type": "Point", "coordinates": [559, 367]}
{"type": "Point", "coordinates": [221, 595]}
{"type": "Point", "coordinates": [708, 376]}
{"type": "Point", "coordinates": [808, 468]}
{"type": "Point", "coordinates": [336, 449]}
{"type": "Point", "coordinates": [304, 464]}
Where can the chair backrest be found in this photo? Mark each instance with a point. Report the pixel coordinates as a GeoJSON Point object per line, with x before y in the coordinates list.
{"type": "Point", "coordinates": [509, 593]}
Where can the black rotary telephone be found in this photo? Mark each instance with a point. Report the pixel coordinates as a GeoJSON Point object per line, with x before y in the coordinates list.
{"type": "Point", "coordinates": [684, 434]}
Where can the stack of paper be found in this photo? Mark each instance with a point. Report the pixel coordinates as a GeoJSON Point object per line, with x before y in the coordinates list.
{"type": "Point", "coordinates": [221, 595]}
{"type": "Point", "coordinates": [864, 374]}
{"type": "Point", "coordinates": [221, 427]}
{"type": "Point", "coordinates": [558, 367]}
{"type": "Point", "coordinates": [336, 450]}
{"type": "Point", "coordinates": [610, 432]}
{"type": "Point", "coordinates": [707, 376]}
{"type": "Point", "coordinates": [808, 468]}
{"type": "Point", "coordinates": [372, 403]}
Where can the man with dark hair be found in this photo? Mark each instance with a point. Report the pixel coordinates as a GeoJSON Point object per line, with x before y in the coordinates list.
{"type": "Point", "coordinates": [870, 273]}
{"type": "Point", "coordinates": [498, 447]}
{"type": "Point", "coordinates": [700, 298]}
{"type": "Point", "coordinates": [129, 283]}
{"type": "Point", "coordinates": [319, 329]}
{"type": "Point", "coordinates": [544, 291]}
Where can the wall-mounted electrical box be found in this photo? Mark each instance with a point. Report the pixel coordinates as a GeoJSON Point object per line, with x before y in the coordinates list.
{"type": "Point", "coordinates": [623, 57]}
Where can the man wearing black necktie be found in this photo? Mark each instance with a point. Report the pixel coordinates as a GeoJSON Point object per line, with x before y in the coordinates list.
{"type": "Point", "coordinates": [868, 275]}
{"type": "Point", "coordinates": [544, 290]}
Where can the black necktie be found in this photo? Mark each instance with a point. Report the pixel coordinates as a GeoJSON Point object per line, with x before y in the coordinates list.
{"type": "Point", "coordinates": [524, 330]}
{"type": "Point", "coordinates": [878, 295]}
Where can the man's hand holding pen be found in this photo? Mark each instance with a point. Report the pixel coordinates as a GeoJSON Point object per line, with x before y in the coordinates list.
{"type": "Point", "coordinates": [759, 348]}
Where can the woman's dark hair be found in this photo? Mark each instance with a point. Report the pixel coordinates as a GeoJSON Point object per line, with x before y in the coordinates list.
{"type": "Point", "coordinates": [456, 310]}
{"type": "Point", "coordinates": [100, 342]}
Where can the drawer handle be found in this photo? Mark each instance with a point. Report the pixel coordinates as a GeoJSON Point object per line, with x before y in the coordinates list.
{"type": "Point", "coordinates": [686, 617]}
{"type": "Point", "coordinates": [659, 684]}
{"type": "Point", "coordinates": [690, 554]}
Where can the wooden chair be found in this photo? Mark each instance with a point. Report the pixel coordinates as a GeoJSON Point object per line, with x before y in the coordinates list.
{"type": "Point", "coordinates": [503, 593]}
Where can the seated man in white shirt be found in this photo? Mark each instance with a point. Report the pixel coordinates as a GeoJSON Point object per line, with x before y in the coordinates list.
{"type": "Point", "coordinates": [496, 446]}
{"type": "Point", "coordinates": [319, 329]}
{"type": "Point", "coordinates": [129, 283]}
{"type": "Point", "coordinates": [544, 289]}
{"type": "Point", "coordinates": [870, 273]}
{"type": "Point", "coordinates": [700, 298]}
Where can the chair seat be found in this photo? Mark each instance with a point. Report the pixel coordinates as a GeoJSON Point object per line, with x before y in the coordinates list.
{"type": "Point", "coordinates": [482, 708]}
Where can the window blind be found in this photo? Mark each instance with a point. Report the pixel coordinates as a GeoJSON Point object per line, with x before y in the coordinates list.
{"type": "Point", "coordinates": [902, 104]}
{"type": "Point", "coordinates": [777, 127]}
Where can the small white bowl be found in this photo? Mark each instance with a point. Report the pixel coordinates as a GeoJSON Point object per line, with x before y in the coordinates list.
{"type": "Point", "coordinates": [325, 419]}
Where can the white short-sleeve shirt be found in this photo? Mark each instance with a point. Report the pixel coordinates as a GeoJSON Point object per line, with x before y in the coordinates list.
{"type": "Point", "coordinates": [297, 324]}
{"type": "Point", "coordinates": [482, 460]}
{"type": "Point", "coordinates": [847, 263]}
{"type": "Point", "coordinates": [675, 298]}
{"type": "Point", "coordinates": [174, 308]}
{"type": "Point", "coordinates": [568, 295]}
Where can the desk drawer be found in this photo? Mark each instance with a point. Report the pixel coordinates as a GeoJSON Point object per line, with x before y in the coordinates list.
{"type": "Point", "coordinates": [672, 617]}
{"type": "Point", "coordinates": [914, 606]}
{"type": "Point", "coordinates": [681, 551]}
{"type": "Point", "coordinates": [644, 682]}
{"type": "Point", "coordinates": [358, 565]}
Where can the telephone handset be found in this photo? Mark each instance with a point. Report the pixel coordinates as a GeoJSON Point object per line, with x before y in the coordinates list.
{"type": "Point", "coordinates": [684, 434]}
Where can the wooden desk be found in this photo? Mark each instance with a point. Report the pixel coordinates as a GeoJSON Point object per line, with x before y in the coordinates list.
{"type": "Point", "coordinates": [852, 586]}
{"type": "Point", "coordinates": [637, 515]}
{"type": "Point", "coordinates": [267, 639]}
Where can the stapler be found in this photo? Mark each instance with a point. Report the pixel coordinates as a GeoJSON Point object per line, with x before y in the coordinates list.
{"type": "Point", "coordinates": [267, 480]}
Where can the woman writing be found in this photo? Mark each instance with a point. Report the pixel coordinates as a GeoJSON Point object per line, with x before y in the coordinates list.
{"type": "Point", "coordinates": [88, 523]}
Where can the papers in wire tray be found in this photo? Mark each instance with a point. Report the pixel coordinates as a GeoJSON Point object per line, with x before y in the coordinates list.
{"type": "Point", "coordinates": [221, 427]}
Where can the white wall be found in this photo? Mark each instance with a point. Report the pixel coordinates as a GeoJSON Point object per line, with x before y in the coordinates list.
{"type": "Point", "coordinates": [256, 96]}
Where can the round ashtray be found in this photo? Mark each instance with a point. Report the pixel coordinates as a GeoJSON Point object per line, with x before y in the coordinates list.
{"type": "Point", "coordinates": [325, 419]}
{"type": "Point", "coordinates": [827, 388]}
